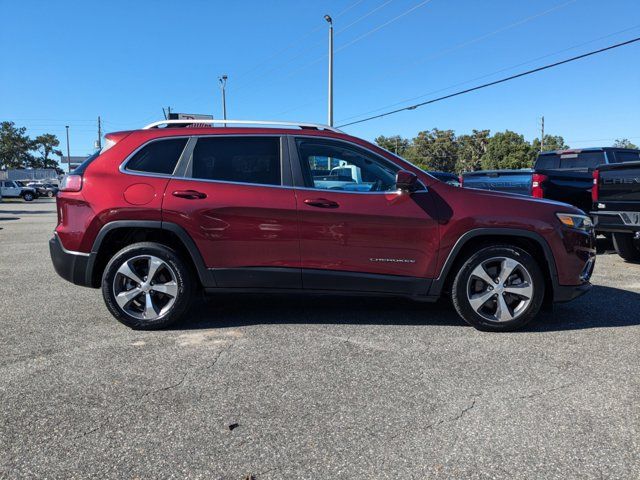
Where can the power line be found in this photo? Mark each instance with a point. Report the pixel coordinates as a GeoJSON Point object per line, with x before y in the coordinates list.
{"type": "Point", "coordinates": [502, 80]}
{"type": "Point", "coordinates": [388, 22]}
{"type": "Point", "coordinates": [499, 30]}
{"type": "Point", "coordinates": [445, 51]}
{"type": "Point", "coordinates": [406, 12]}
{"type": "Point", "coordinates": [308, 48]}
{"type": "Point", "coordinates": [491, 73]}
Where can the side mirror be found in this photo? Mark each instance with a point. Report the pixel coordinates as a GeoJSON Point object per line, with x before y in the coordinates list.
{"type": "Point", "coordinates": [406, 181]}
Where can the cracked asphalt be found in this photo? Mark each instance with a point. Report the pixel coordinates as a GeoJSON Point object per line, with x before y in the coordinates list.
{"type": "Point", "coordinates": [319, 387]}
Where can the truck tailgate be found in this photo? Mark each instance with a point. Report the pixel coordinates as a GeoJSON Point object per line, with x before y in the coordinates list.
{"type": "Point", "coordinates": [511, 181]}
{"type": "Point", "coordinates": [619, 186]}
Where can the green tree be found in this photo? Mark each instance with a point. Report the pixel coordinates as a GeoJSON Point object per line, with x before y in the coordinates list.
{"type": "Point", "coordinates": [395, 144]}
{"type": "Point", "coordinates": [623, 143]}
{"type": "Point", "coordinates": [508, 150]}
{"type": "Point", "coordinates": [434, 150]}
{"type": "Point", "coordinates": [15, 146]}
{"type": "Point", "coordinates": [471, 149]}
{"type": "Point", "coordinates": [46, 146]}
{"type": "Point", "coordinates": [551, 142]}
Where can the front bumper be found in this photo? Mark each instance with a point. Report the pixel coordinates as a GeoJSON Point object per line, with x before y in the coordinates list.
{"type": "Point", "coordinates": [622, 222]}
{"type": "Point", "coordinates": [72, 266]}
{"type": "Point", "coordinates": [564, 293]}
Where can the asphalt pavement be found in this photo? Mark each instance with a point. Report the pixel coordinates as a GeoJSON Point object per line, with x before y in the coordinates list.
{"type": "Point", "coordinates": [309, 387]}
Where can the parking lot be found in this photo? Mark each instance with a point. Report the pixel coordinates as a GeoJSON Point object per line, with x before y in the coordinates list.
{"type": "Point", "coordinates": [309, 387]}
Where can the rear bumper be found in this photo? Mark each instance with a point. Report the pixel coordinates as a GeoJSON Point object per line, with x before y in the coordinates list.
{"type": "Point", "coordinates": [72, 266]}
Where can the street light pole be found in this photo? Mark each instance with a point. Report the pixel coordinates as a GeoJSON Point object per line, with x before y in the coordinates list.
{"type": "Point", "coordinates": [330, 95]}
{"type": "Point", "coordinates": [68, 150]}
{"type": "Point", "coordinates": [223, 85]}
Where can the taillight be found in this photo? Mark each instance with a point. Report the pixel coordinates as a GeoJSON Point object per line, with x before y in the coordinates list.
{"type": "Point", "coordinates": [595, 193]}
{"type": "Point", "coordinates": [537, 179]}
{"type": "Point", "coordinates": [71, 183]}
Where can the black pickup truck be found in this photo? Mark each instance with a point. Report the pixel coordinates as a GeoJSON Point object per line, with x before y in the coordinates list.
{"type": "Point", "coordinates": [562, 175]}
{"type": "Point", "coordinates": [616, 206]}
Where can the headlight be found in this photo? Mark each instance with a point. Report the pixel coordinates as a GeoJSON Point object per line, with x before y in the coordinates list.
{"type": "Point", "coordinates": [579, 222]}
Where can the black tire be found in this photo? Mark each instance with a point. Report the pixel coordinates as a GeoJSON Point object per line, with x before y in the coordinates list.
{"type": "Point", "coordinates": [626, 246]}
{"type": "Point", "coordinates": [175, 267]}
{"type": "Point", "coordinates": [464, 281]}
{"type": "Point", "coordinates": [28, 197]}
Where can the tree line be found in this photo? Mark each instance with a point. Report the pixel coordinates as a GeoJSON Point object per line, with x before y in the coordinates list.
{"type": "Point", "coordinates": [18, 150]}
{"type": "Point", "coordinates": [443, 150]}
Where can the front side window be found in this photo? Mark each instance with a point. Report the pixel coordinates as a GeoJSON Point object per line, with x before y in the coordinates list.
{"type": "Point", "coordinates": [237, 159]}
{"type": "Point", "coordinates": [159, 156]}
{"type": "Point", "coordinates": [336, 166]}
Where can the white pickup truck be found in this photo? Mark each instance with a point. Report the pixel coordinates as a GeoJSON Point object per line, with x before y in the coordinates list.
{"type": "Point", "coordinates": [12, 189]}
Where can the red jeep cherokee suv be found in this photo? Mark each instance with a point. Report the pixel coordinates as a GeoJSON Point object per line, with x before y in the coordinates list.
{"type": "Point", "coordinates": [164, 211]}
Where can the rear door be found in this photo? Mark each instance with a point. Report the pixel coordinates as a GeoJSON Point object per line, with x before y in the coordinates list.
{"type": "Point", "coordinates": [357, 232]}
{"type": "Point", "coordinates": [236, 201]}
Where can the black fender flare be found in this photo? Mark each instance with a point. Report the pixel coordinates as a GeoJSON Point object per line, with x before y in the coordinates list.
{"type": "Point", "coordinates": [438, 283]}
{"type": "Point", "coordinates": [205, 276]}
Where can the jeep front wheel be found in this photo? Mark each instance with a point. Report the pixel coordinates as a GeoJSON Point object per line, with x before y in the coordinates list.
{"type": "Point", "coordinates": [499, 288]}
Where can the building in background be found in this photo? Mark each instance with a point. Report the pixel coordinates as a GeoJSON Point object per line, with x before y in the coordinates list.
{"type": "Point", "coordinates": [32, 175]}
{"type": "Point", "coordinates": [75, 162]}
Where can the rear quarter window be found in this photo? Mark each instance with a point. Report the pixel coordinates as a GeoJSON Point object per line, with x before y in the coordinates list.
{"type": "Point", "coordinates": [159, 156]}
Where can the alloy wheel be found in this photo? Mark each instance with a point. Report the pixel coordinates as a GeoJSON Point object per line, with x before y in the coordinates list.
{"type": "Point", "coordinates": [500, 289]}
{"type": "Point", "coordinates": [145, 287]}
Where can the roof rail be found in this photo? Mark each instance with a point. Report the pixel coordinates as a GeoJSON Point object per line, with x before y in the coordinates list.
{"type": "Point", "coordinates": [317, 126]}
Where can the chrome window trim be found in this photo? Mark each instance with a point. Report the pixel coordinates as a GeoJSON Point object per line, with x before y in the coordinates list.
{"type": "Point", "coordinates": [184, 163]}
{"type": "Point", "coordinates": [70, 252]}
{"type": "Point", "coordinates": [123, 165]}
{"type": "Point", "coordinates": [340, 140]}
{"type": "Point", "coordinates": [189, 169]}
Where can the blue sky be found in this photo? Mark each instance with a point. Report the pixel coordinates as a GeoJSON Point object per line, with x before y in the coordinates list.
{"type": "Point", "coordinates": [66, 62]}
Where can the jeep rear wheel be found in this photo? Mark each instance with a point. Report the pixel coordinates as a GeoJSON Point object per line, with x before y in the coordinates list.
{"type": "Point", "coordinates": [27, 197]}
{"type": "Point", "coordinates": [147, 286]}
{"type": "Point", "coordinates": [499, 288]}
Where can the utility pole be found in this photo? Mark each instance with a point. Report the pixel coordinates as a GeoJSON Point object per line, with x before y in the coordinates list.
{"type": "Point", "coordinates": [330, 93]}
{"type": "Point", "coordinates": [68, 151]}
{"type": "Point", "coordinates": [223, 86]}
{"type": "Point", "coordinates": [542, 135]}
{"type": "Point", "coordinates": [99, 141]}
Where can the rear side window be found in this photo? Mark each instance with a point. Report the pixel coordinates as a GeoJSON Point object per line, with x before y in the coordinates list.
{"type": "Point", "coordinates": [547, 162]}
{"type": "Point", "coordinates": [159, 157]}
{"type": "Point", "coordinates": [238, 159]}
{"type": "Point", "coordinates": [622, 157]}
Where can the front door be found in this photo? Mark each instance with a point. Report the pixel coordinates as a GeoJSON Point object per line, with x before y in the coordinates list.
{"type": "Point", "coordinates": [236, 207]}
{"type": "Point", "coordinates": [357, 232]}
